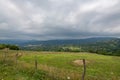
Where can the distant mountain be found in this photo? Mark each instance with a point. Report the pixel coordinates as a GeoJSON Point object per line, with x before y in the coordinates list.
{"type": "Point", "coordinates": [101, 45]}
{"type": "Point", "coordinates": [15, 42]}
{"type": "Point", "coordinates": [69, 41]}
{"type": "Point", "coordinates": [57, 42]}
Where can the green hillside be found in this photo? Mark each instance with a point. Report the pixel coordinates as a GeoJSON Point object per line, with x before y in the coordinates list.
{"type": "Point", "coordinates": [106, 46]}
{"type": "Point", "coordinates": [58, 66]}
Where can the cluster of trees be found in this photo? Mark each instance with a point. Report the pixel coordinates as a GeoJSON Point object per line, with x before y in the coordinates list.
{"type": "Point", "coordinates": [107, 47]}
{"type": "Point", "coordinates": [12, 47]}
{"type": "Point", "coordinates": [111, 47]}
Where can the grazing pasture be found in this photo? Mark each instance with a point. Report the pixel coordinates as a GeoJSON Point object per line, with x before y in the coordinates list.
{"type": "Point", "coordinates": [57, 66]}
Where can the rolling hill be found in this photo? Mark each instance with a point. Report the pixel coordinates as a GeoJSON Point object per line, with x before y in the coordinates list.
{"type": "Point", "coordinates": [100, 45]}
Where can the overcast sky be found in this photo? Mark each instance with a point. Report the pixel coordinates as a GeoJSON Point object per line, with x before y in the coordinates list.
{"type": "Point", "coordinates": [59, 19]}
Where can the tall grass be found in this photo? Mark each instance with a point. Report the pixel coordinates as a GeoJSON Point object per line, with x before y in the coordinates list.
{"type": "Point", "coordinates": [58, 66]}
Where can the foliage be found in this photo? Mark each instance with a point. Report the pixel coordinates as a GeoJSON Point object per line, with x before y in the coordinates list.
{"type": "Point", "coordinates": [106, 47]}
{"type": "Point", "coordinates": [12, 47]}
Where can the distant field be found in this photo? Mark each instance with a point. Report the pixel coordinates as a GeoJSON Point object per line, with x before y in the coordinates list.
{"type": "Point", "coordinates": [62, 66]}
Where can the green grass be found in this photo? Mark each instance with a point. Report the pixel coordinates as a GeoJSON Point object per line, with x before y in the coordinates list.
{"type": "Point", "coordinates": [59, 65]}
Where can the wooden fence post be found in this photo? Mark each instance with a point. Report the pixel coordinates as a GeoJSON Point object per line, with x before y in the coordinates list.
{"type": "Point", "coordinates": [5, 54]}
{"type": "Point", "coordinates": [36, 63]}
{"type": "Point", "coordinates": [16, 56]}
{"type": "Point", "coordinates": [84, 70]}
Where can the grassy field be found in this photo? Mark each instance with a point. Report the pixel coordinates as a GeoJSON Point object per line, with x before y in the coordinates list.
{"type": "Point", "coordinates": [58, 66]}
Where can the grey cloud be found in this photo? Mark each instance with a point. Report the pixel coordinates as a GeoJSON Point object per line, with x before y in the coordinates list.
{"type": "Point", "coordinates": [59, 19]}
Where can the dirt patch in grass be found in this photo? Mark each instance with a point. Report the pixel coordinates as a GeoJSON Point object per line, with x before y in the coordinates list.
{"type": "Point", "coordinates": [79, 62]}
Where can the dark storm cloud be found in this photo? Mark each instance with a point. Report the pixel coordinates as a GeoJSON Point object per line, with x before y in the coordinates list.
{"type": "Point", "coordinates": [59, 19]}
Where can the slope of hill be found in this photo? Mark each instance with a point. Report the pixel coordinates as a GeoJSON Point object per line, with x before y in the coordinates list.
{"type": "Point", "coordinates": [57, 42]}
{"type": "Point", "coordinates": [100, 45]}
{"type": "Point", "coordinates": [58, 66]}
{"type": "Point", "coordinates": [109, 46]}
{"type": "Point", "coordinates": [69, 41]}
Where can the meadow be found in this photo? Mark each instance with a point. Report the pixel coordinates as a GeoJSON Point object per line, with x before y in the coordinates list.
{"type": "Point", "coordinates": [57, 66]}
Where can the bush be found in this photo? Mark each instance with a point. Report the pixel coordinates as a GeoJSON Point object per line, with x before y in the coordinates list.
{"type": "Point", "coordinates": [12, 47]}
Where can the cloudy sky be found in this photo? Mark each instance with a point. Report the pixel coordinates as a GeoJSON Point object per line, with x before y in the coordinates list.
{"type": "Point", "coordinates": [59, 19]}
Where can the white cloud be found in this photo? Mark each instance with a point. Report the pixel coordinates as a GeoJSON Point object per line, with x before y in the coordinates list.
{"type": "Point", "coordinates": [59, 19]}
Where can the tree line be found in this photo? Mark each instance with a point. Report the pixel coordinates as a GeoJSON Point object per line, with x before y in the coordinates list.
{"type": "Point", "coordinates": [11, 47]}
